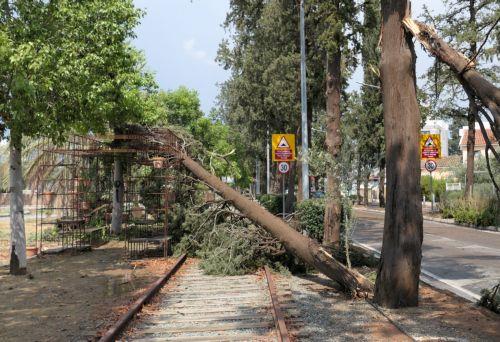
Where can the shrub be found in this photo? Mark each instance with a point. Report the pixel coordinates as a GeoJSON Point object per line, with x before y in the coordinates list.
{"type": "Point", "coordinates": [438, 187]}
{"type": "Point", "coordinates": [273, 203]}
{"type": "Point", "coordinates": [310, 214]}
{"type": "Point", "coordinates": [483, 209]}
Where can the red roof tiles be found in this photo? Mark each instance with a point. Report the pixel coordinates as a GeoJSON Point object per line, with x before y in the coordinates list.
{"type": "Point", "coordinates": [479, 139]}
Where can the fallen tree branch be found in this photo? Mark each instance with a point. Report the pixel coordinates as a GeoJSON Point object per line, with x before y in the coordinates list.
{"type": "Point", "coordinates": [463, 67]}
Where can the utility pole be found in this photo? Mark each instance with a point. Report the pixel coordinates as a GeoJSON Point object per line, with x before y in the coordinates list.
{"type": "Point", "coordinates": [303, 85]}
{"type": "Point", "coordinates": [268, 164]}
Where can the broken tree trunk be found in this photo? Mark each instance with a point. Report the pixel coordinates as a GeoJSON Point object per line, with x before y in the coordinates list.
{"type": "Point", "coordinates": [461, 66]}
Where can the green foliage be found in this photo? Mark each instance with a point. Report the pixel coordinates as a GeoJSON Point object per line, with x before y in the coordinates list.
{"type": "Point", "coordinates": [69, 66]}
{"type": "Point", "coordinates": [482, 209]}
{"type": "Point", "coordinates": [438, 187]}
{"type": "Point", "coordinates": [272, 203]}
{"type": "Point", "coordinates": [227, 243]}
{"type": "Point", "coordinates": [310, 214]}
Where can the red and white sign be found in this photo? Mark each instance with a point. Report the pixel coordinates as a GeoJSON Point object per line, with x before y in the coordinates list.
{"type": "Point", "coordinates": [283, 167]}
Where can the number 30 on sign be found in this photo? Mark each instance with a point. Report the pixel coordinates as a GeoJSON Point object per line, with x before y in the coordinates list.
{"type": "Point", "coordinates": [283, 167]}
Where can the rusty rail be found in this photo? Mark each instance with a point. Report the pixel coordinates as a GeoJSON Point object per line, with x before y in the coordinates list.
{"type": "Point", "coordinates": [115, 331]}
{"type": "Point", "coordinates": [279, 318]}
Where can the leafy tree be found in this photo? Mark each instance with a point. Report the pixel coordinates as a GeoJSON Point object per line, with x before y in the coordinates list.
{"type": "Point", "coordinates": [337, 35]}
{"type": "Point", "coordinates": [65, 65]}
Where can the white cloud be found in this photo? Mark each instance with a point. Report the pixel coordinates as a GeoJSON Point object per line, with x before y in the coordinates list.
{"type": "Point", "coordinates": [189, 47]}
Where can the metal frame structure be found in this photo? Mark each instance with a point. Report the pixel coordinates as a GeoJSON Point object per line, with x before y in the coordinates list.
{"type": "Point", "coordinates": [66, 176]}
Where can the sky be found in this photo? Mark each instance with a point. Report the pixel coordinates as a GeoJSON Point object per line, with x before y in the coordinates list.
{"type": "Point", "coordinates": [180, 39]}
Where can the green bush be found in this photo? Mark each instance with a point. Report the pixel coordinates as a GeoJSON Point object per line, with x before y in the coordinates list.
{"type": "Point", "coordinates": [273, 203]}
{"type": "Point", "coordinates": [310, 214]}
{"type": "Point", "coordinates": [438, 187]}
{"type": "Point", "coordinates": [483, 209]}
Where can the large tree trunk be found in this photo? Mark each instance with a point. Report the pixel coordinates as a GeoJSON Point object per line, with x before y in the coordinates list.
{"type": "Point", "coordinates": [331, 234]}
{"type": "Point", "coordinates": [461, 66]}
{"type": "Point", "coordinates": [399, 268]}
{"type": "Point", "coordinates": [365, 188]}
{"type": "Point", "coordinates": [471, 116]}
{"type": "Point", "coordinates": [118, 192]}
{"type": "Point", "coordinates": [381, 184]}
{"type": "Point", "coordinates": [358, 184]}
{"type": "Point", "coordinates": [299, 245]}
{"type": "Point", "coordinates": [471, 140]}
{"type": "Point", "coordinates": [17, 230]}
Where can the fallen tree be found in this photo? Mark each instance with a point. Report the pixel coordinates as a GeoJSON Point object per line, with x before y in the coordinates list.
{"type": "Point", "coordinates": [306, 249]}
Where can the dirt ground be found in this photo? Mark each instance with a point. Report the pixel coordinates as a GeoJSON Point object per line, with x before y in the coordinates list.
{"type": "Point", "coordinates": [73, 297]}
{"type": "Point", "coordinates": [76, 297]}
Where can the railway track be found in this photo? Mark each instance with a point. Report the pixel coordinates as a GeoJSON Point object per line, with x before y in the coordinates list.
{"type": "Point", "coordinates": [199, 307]}
{"type": "Point", "coordinates": [257, 307]}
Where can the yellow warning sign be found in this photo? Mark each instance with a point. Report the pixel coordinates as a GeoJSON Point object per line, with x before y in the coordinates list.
{"type": "Point", "coordinates": [430, 146]}
{"type": "Point", "coordinates": [283, 147]}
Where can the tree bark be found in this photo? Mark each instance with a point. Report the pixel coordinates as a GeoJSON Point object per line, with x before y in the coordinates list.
{"type": "Point", "coordinates": [331, 234]}
{"type": "Point", "coordinates": [381, 184]}
{"type": "Point", "coordinates": [471, 139]}
{"type": "Point", "coordinates": [461, 66]}
{"type": "Point", "coordinates": [18, 262]}
{"type": "Point", "coordinates": [358, 183]}
{"type": "Point", "coordinates": [399, 269]}
{"type": "Point", "coordinates": [118, 192]}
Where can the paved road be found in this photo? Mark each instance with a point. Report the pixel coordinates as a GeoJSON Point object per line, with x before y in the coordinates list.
{"type": "Point", "coordinates": [462, 259]}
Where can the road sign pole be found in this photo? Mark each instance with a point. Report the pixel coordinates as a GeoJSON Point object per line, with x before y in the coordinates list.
{"type": "Point", "coordinates": [432, 195]}
{"type": "Point", "coordinates": [283, 200]}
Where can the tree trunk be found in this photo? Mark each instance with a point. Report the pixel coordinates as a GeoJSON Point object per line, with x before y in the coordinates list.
{"type": "Point", "coordinates": [331, 234]}
{"type": "Point", "coordinates": [358, 184]}
{"type": "Point", "coordinates": [461, 66]}
{"type": "Point", "coordinates": [399, 269]}
{"type": "Point", "coordinates": [118, 192]}
{"type": "Point", "coordinates": [471, 139]}
{"type": "Point", "coordinates": [471, 116]}
{"type": "Point", "coordinates": [299, 245]}
{"type": "Point", "coordinates": [381, 184]}
{"type": "Point", "coordinates": [365, 189]}
{"type": "Point", "coordinates": [17, 230]}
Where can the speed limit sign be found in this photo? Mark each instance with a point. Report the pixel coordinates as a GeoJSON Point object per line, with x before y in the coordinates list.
{"type": "Point", "coordinates": [283, 167]}
{"type": "Point", "coordinates": [430, 165]}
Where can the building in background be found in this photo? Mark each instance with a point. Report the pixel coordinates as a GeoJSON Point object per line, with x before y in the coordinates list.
{"type": "Point", "coordinates": [480, 143]}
